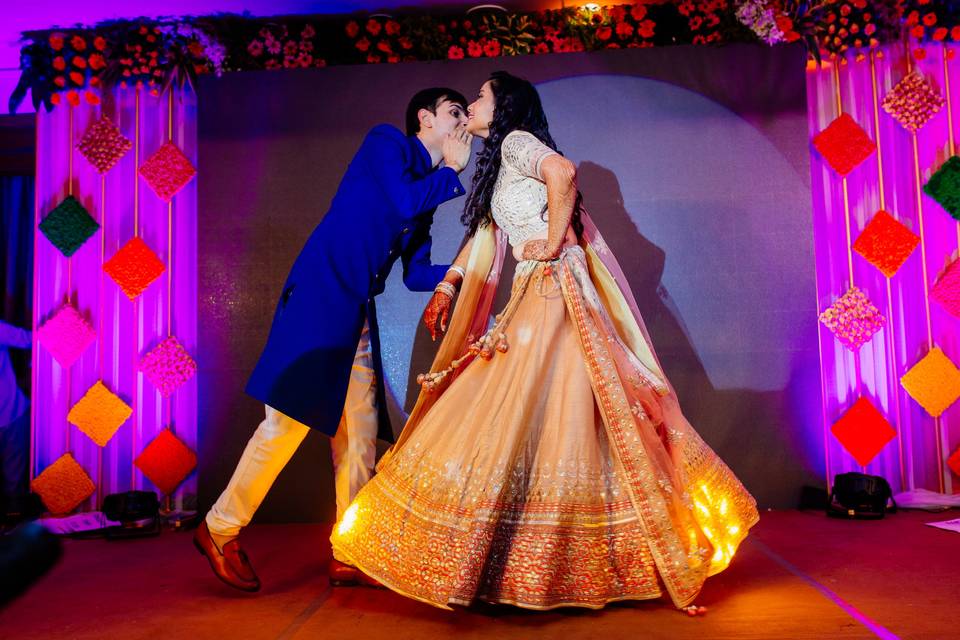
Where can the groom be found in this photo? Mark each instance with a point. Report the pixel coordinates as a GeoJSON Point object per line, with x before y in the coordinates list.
{"type": "Point", "coordinates": [321, 366]}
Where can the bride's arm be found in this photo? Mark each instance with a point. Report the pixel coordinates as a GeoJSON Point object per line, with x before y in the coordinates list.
{"type": "Point", "coordinates": [439, 306]}
{"type": "Point", "coordinates": [560, 176]}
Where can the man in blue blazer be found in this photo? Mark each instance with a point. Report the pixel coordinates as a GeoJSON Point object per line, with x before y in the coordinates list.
{"type": "Point", "coordinates": [321, 365]}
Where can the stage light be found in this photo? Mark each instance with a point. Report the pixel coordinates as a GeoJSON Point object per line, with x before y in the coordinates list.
{"type": "Point", "coordinates": [347, 521]}
{"type": "Point", "coordinates": [592, 6]}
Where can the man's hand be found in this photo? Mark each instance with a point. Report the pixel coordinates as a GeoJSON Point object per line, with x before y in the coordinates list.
{"type": "Point", "coordinates": [437, 309]}
{"type": "Point", "coordinates": [456, 149]}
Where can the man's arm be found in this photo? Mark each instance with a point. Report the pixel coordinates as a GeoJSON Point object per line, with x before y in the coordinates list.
{"type": "Point", "coordinates": [11, 336]}
{"type": "Point", "coordinates": [419, 273]}
{"type": "Point", "coordinates": [384, 157]}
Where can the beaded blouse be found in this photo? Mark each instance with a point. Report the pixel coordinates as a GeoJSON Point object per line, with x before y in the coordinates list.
{"type": "Point", "coordinates": [519, 201]}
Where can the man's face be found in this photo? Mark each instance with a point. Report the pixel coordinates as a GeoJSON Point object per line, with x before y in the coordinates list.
{"type": "Point", "coordinates": [448, 118]}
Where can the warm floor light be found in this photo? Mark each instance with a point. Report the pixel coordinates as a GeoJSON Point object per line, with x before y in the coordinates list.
{"type": "Point", "coordinates": [347, 521]}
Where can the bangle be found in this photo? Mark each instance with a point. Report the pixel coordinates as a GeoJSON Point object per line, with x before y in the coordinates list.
{"type": "Point", "coordinates": [445, 288]}
{"type": "Point", "coordinates": [458, 269]}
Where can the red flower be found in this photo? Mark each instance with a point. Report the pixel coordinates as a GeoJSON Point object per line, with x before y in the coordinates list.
{"type": "Point", "coordinates": [686, 8]}
{"type": "Point", "coordinates": [97, 62]}
{"type": "Point", "coordinates": [392, 27]}
{"type": "Point", "coordinates": [373, 58]}
{"type": "Point", "coordinates": [917, 31]}
{"type": "Point", "coordinates": [373, 27]}
{"type": "Point", "coordinates": [320, 62]}
{"type": "Point", "coordinates": [91, 97]}
{"type": "Point", "coordinates": [305, 60]}
{"type": "Point", "coordinates": [291, 48]}
{"type": "Point", "coordinates": [613, 45]}
{"type": "Point", "coordinates": [55, 99]}
{"type": "Point", "coordinates": [699, 40]}
{"type": "Point", "coordinates": [712, 20]}
{"type": "Point", "coordinates": [930, 19]}
{"type": "Point", "coordinates": [363, 44]}
{"type": "Point", "coordinates": [604, 33]}
{"type": "Point", "coordinates": [474, 49]}
{"type": "Point", "coordinates": [392, 58]}
{"type": "Point", "coordinates": [492, 48]}
{"type": "Point", "coordinates": [59, 63]}
{"type": "Point", "coordinates": [77, 78]}
{"type": "Point", "coordinates": [919, 54]}
{"type": "Point", "coordinates": [56, 42]}
{"type": "Point", "coordinates": [289, 62]}
{"type": "Point", "coordinates": [308, 32]}
{"type": "Point", "coordinates": [352, 29]}
{"type": "Point", "coordinates": [646, 29]}
{"type": "Point", "coordinates": [576, 44]}
{"type": "Point", "coordinates": [913, 18]}
{"type": "Point", "coordinates": [624, 30]}
{"type": "Point", "coordinates": [955, 34]}
{"type": "Point", "coordinates": [60, 81]}
{"type": "Point", "coordinates": [543, 48]}
{"type": "Point", "coordinates": [73, 98]}
{"type": "Point", "coordinates": [78, 43]}
{"type": "Point", "coordinates": [151, 38]}
{"type": "Point", "coordinates": [639, 12]}
{"type": "Point", "coordinates": [384, 46]}
{"type": "Point", "coordinates": [255, 48]}
{"type": "Point", "coordinates": [306, 45]}
{"type": "Point", "coordinates": [695, 23]}
{"type": "Point", "coordinates": [79, 62]}
{"type": "Point", "coordinates": [406, 43]}
{"type": "Point", "coordinates": [940, 34]}
{"type": "Point", "coordinates": [100, 43]}
{"type": "Point", "coordinates": [195, 49]}
{"type": "Point", "coordinates": [272, 64]}
{"type": "Point", "coordinates": [456, 53]}
{"type": "Point", "coordinates": [617, 13]}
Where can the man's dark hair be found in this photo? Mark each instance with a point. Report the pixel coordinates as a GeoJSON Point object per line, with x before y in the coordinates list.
{"type": "Point", "coordinates": [430, 99]}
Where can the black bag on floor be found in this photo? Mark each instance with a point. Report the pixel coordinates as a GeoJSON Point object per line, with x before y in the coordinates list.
{"type": "Point", "coordinates": [857, 495]}
{"type": "Point", "coordinates": [138, 513]}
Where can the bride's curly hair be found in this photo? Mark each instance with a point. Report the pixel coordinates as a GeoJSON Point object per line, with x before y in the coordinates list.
{"type": "Point", "coordinates": [516, 106]}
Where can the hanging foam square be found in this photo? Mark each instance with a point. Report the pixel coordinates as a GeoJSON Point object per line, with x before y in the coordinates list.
{"type": "Point", "coordinates": [68, 226]}
{"type": "Point", "coordinates": [168, 366]}
{"type": "Point", "coordinates": [863, 431]}
{"type": "Point", "coordinates": [946, 291]}
{"type": "Point", "coordinates": [944, 186]}
{"type": "Point", "coordinates": [134, 267]}
{"type": "Point", "coordinates": [66, 335]}
{"type": "Point", "coordinates": [844, 144]}
{"type": "Point", "coordinates": [853, 319]}
{"type": "Point", "coordinates": [886, 243]}
{"type": "Point", "coordinates": [63, 485]}
{"type": "Point", "coordinates": [167, 171]}
{"type": "Point", "coordinates": [913, 102]}
{"type": "Point", "coordinates": [103, 145]}
{"type": "Point", "coordinates": [99, 413]}
{"type": "Point", "coordinates": [934, 382]}
{"type": "Point", "coordinates": [954, 461]}
{"type": "Point", "coordinates": [166, 461]}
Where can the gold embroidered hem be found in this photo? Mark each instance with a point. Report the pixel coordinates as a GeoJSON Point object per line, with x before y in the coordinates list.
{"type": "Point", "coordinates": [554, 474]}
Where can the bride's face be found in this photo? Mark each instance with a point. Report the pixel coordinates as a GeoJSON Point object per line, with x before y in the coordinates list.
{"type": "Point", "coordinates": [480, 113]}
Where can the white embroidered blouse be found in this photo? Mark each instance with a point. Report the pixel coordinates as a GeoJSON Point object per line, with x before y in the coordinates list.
{"type": "Point", "coordinates": [519, 201]}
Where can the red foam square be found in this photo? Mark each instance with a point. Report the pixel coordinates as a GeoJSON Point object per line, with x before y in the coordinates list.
{"type": "Point", "coordinates": [863, 431]}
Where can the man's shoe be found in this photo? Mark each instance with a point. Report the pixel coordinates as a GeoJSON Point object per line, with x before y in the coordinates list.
{"type": "Point", "coordinates": [231, 565]}
{"type": "Point", "coordinates": [342, 574]}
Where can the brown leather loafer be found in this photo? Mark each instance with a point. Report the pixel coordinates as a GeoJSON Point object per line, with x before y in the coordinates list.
{"type": "Point", "coordinates": [342, 574]}
{"type": "Point", "coordinates": [232, 565]}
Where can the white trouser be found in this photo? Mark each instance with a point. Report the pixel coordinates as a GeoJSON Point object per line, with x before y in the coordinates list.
{"type": "Point", "coordinates": [354, 449]}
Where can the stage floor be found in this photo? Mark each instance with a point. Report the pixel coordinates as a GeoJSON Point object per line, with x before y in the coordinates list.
{"type": "Point", "coordinates": [799, 575]}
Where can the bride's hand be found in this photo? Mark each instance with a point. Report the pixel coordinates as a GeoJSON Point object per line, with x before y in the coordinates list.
{"type": "Point", "coordinates": [437, 309]}
{"type": "Point", "coordinates": [538, 250]}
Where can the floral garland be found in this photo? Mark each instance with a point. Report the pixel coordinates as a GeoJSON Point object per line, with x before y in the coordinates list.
{"type": "Point", "coordinates": [72, 65]}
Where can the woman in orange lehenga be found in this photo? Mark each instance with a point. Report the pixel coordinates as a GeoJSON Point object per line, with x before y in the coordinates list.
{"type": "Point", "coordinates": [546, 462]}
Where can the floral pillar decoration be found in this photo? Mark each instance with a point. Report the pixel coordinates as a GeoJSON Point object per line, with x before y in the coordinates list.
{"type": "Point", "coordinates": [115, 308]}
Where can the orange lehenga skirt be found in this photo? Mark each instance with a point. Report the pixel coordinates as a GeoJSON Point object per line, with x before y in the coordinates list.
{"type": "Point", "coordinates": [553, 474]}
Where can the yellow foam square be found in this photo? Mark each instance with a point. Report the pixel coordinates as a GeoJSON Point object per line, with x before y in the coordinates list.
{"type": "Point", "coordinates": [99, 413]}
{"type": "Point", "coordinates": [934, 382]}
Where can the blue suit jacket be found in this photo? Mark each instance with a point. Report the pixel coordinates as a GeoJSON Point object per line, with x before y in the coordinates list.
{"type": "Point", "coordinates": [382, 212]}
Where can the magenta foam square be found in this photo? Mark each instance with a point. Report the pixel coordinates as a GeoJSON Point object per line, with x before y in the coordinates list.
{"type": "Point", "coordinates": [168, 366]}
{"type": "Point", "coordinates": [66, 335]}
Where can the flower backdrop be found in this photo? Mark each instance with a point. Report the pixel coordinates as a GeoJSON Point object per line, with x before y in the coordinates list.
{"type": "Point", "coordinates": [115, 310]}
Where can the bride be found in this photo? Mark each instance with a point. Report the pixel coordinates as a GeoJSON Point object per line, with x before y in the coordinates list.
{"type": "Point", "coordinates": [546, 462]}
